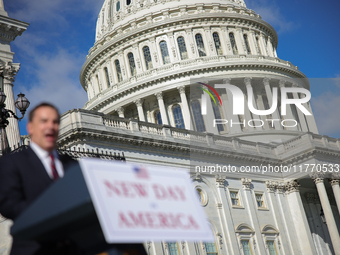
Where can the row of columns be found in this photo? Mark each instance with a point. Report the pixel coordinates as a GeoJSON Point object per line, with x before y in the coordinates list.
{"type": "Point", "coordinates": [8, 73]}
{"type": "Point", "coordinates": [307, 123]}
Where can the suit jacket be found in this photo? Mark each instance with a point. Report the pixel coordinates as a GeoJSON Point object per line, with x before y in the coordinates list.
{"type": "Point", "coordinates": [22, 179]}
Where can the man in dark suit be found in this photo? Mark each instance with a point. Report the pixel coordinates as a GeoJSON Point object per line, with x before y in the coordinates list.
{"type": "Point", "coordinates": [26, 174]}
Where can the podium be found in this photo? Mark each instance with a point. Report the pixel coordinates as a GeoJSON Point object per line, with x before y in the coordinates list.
{"type": "Point", "coordinates": [65, 212]}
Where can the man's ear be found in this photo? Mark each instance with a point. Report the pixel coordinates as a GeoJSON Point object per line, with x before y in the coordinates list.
{"type": "Point", "coordinates": [29, 128]}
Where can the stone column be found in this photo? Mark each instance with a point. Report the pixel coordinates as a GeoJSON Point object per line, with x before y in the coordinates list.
{"type": "Point", "coordinates": [275, 114]}
{"type": "Point", "coordinates": [336, 191]}
{"type": "Point", "coordinates": [270, 48]}
{"type": "Point", "coordinates": [302, 119]}
{"type": "Point", "coordinates": [191, 49]}
{"type": "Point", "coordinates": [289, 113]}
{"type": "Point", "coordinates": [310, 119]}
{"type": "Point", "coordinates": [161, 105]}
{"type": "Point", "coordinates": [210, 116]}
{"type": "Point", "coordinates": [262, 41]}
{"type": "Point", "coordinates": [254, 217]}
{"type": "Point", "coordinates": [186, 111]}
{"type": "Point", "coordinates": [139, 104]}
{"type": "Point", "coordinates": [326, 207]}
{"type": "Point", "coordinates": [225, 216]}
{"type": "Point", "coordinates": [12, 130]}
{"type": "Point", "coordinates": [247, 82]}
{"type": "Point", "coordinates": [172, 48]}
{"type": "Point", "coordinates": [252, 43]}
{"type": "Point", "coordinates": [120, 111]}
{"type": "Point", "coordinates": [137, 57]}
{"type": "Point", "coordinates": [299, 220]}
{"type": "Point", "coordinates": [239, 41]}
{"type": "Point", "coordinates": [235, 128]}
{"type": "Point", "coordinates": [102, 78]}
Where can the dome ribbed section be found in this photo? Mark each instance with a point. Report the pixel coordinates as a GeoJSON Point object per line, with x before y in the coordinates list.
{"type": "Point", "coordinates": [115, 13]}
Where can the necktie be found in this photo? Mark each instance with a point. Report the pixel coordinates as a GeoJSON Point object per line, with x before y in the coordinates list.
{"type": "Point", "coordinates": [54, 169]}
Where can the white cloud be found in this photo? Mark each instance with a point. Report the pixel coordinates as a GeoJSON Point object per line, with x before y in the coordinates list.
{"type": "Point", "coordinates": [55, 80]}
{"type": "Point", "coordinates": [271, 14]}
{"type": "Point", "coordinates": [326, 108]}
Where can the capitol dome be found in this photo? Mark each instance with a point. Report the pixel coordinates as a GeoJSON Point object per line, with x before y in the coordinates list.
{"type": "Point", "coordinates": [147, 54]}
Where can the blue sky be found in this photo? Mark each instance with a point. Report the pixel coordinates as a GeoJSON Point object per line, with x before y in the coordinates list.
{"type": "Point", "coordinates": [61, 32]}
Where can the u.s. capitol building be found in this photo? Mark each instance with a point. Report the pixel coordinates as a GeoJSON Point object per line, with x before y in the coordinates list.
{"type": "Point", "coordinates": [141, 77]}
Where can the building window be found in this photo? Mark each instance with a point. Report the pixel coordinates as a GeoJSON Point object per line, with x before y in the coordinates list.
{"type": "Point", "coordinates": [132, 64]}
{"type": "Point", "coordinates": [246, 42]}
{"type": "Point", "coordinates": [259, 200]}
{"type": "Point", "coordinates": [218, 45]}
{"type": "Point", "coordinates": [271, 248]}
{"type": "Point", "coordinates": [164, 51]}
{"type": "Point", "coordinates": [233, 43]}
{"type": "Point", "coordinates": [128, 2]}
{"type": "Point", "coordinates": [107, 77]}
{"type": "Point", "coordinates": [158, 117]}
{"type": "Point", "coordinates": [118, 71]}
{"type": "Point", "coordinates": [173, 249]}
{"type": "Point", "coordinates": [147, 57]}
{"type": "Point", "coordinates": [218, 115]}
{"type": "Point", "coordinates": [118, 6]}
{"type": "Point", "coordinates": [258, 45]}
{"type": "Point", "coordinates": [178, 117]}
{"type": "Point", "coordinates": [182, 48]}
{"type": "Point", "coordinates": [200, 45]}
{"type": "Point", "coordinates": [210, 248]}
{"type": "Point", "coordinates": [234, 198]}
{"type": "Point", "coordinates": [246, 247]}
{"type": "Point", "coordinates": [198, 118]}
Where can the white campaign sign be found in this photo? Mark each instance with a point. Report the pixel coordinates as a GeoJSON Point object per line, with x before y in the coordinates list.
{"type": "Point", "coordinates": [136, 204]}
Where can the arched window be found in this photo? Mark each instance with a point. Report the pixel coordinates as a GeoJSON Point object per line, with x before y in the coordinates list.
{"type": "Point", "coordinates": [178, 117]}
{"type": "Point", "coordinates": [246, 42]}
{"type": "Point", "coordinates": [258, 45]}
{"type": "Point", "coordinates": [200, 45]}
{"type": "Point", "coordinates": [233, 43]}
{"type": "Point", "coordinates": [147, 57]}
{"type": "Point", "coordinates": [210, 248]}
{"type": "Point", "coordinates": [218, 45]}
{"type": "Point", "coordinates": [218, 115]}
{"type": "Point", "coordinates": [118, 71]}
{"type": "Point", "coordinates": [128, 2]}
{"type": "Point", "coordinates": [132, 64]}
{"type": "Point", "coordinates": [158, 117]}
{"type": "Point", "coordinates": [165, 53]}
{"type": "Point", "coordinates": [107, 77]}
{"type": "Point", "coordinates": [173, 248]}
{"type": "Point", "coordinates": [182, 48]}
{"type": "Point", "coordinates": [198, 118]}
{"type": "Point", "coordinates": [118, 6]}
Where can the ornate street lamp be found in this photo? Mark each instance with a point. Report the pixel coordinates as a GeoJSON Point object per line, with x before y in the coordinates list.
{"type": "Point", "coordinates": [22, 104]}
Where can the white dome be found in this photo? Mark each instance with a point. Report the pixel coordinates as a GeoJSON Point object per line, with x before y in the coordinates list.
{"type": "Point", "coordinates": [115, 13]}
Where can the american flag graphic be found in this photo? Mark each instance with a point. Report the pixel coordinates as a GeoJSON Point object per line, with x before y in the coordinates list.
{"type": "Point", "coordinates": [141, 172]}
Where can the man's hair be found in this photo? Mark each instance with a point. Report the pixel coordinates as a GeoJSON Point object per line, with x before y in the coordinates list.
{"type": "Point", "coordinates": [31, 114]}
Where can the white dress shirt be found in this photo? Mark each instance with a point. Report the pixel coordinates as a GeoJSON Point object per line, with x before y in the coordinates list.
{"type": "Point", "coordinates": [45, 158]}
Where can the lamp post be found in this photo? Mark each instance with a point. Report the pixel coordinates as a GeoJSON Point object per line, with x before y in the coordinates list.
{"type": "Point", "coordinates": [22, 104]}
